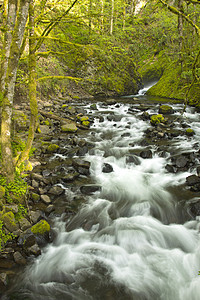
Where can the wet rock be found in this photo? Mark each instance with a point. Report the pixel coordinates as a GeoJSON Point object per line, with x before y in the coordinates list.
{"type": "Point", "coordinates": [170, 168]}
{"type": "Point", "coordinates": [41, 232]}
{"type": "Point", "coordinates": [19, 259]}
{"type": "Point", "coordinates": [82, 151]}
{"type": "Point", "coordinates": [34, 183]}
{"type": "Point", "coordinates": [132, 159]}
{"type": "Point", "coordinates": [181, 161]}
{"type": "Point", "coordinates": [44, 129]}
{"type": "Point", "coordinates": [81, 166]}
{"type": "Point", "coordinates": [115, 118]}
{"type": "Point", "coordinates": [90, 189]}
{"type": "Point", "coordinates": [71, 127]}
{"type": "Point", "coordinates": [126, 134]}
{"type": "Point", "coordinates": [56, 190]}
{"type": "Point", "coordinates": [110, 102]}
{"type": "Point", "coordinates": [46, 173]}
{"type": "Point", "coordinates": [3, 279]}
{"type": "Point", "coordinates": [24, 224]}
{"type": "Point", "coordinates": [27, 239]}
{"type": "Point", "coordinates": [193, 180]}
{"type": "Point", "coordinates": [35, 197]}
{"type": "Point", "coordinates": [194, 208]}
{"type": "Point", "coordinates": [34, 250]}
{"type": "Point", "coordinates": [146, 154]}
{"type": "Point", "coordinates": [190, 132]}
{"type": "Point", "coordinates": [49, 208]}
{"type": "Point", "coordinates": [35, 216]}
{"type": "Point", "coordinates": [93, 106]}
{"type": "Point", "coordinates": [198, 170]}
{"type": "Point", "coordinates": [107, 168]}
{"type": "Point", "coordinates": [9, 221]}
{"type": "Point", "coordinates": [73, 176]}
{"type": "Point", "coordinates": [166, 110]}
{"type": "Point", "coordinates": [52, 148]}
{"type": "Point", "coordinates": [45, 199]}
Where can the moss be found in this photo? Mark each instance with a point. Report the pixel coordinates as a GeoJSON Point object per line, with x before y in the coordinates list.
{"type": "Point", "coordinates": [86, 123]}
{"type": "Point", "coordinates": [170, 84]}
{"type": "Point", "coordinates": [8, 220]}
{"type": "Point", "coordinates": [47, 123]}
{"type": "Point", "coordinates": [2, 191]}
{"type": "Point", "coordinates": [52, 148]}
{"type": "Point", "coordinates": [156, 119]}
{"type": "Point", "coordinates": [190, 132]}
{"type": "Point", "coordinates": [64, 106]}
{"type": "Point", "coordinates": [165, 109]}
{"type": "Point", "coordinates": [69, 128]}
{"type": "Point", "coordinates": [84, 118]}
{"type": "Point", "coordinates": [41, 227]}
{"type": "Point", "coordinates": [35, 197]}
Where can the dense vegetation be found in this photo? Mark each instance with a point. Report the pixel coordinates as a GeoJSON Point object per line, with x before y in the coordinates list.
{"type": "Point", "coordinates": [90, 47]}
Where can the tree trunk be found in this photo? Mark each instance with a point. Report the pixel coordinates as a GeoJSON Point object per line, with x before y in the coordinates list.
{"type": "Point", "coordinates": [9, 71]}
{"type": "Point", "coordinates": [180, 31]}
{"type": "Point", "coordinates": [32, 87]}
{"type": "Point", "coordinates": [112, 16]}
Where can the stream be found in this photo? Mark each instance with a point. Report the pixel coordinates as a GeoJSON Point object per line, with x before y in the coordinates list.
{"type": "Point", "coordinates": [133, 239]}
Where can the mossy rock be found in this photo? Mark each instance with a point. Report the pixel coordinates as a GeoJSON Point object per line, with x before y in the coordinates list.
{"type": "Point", "coordinates": [28, 166]}
{"type": "Point", "coordinates": [156, 119]}
{"type": "Point", "coordinates": [41, 227]}
{"type": "Point", "coordinates": [190, 132]}
{"type": "Point", "coordinates": [2, 191]}
{"type": "Point", "coordinates": [84, 118]}
{"type": "Point", "coordinates": [35, 197]}
{"type": "Point", "coordinates": [166, 110]}
{"type": "Point", "coordinates": [9, 221]}
{"type": "Point", "coordinates": [20, 120]}
{"type": "Point", "coordinates": [86, 123]}
{"type": "Point", "coordinates": [52, 148]}
{"type": "Point", "coordinates": [69, 127]}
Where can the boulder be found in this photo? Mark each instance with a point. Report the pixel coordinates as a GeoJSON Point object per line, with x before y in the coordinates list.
{"type": "Point", "coordinates": [19, 259]}
{"type": "Point", "coordinates": [24, 224]}
{"type": "Point", "coordinates": [9, 221]}
{"type": "Point", "coordinates": [26, 239]}
{"type": "Point", "coordinates": [166, 110]}
{"type": "Point", "coordinates": [56, 190]}
{"type": "Point", "coordinates": [45, 199]}
{"type": "Point", "coordinates": [107, 168]}
{"type": "Point", "coordinates": [69, 127]}
{"type": "Point", "coordinates": [146, 154]}
{"type": "Point", "coordinates": [90, 189]}
{"type": "Point", "coordinates": [189, 132]}
{"type": "Point", "coordinates": [193, 180]}
{"type": "Point", "coordinates": [156, 119]}
{"type": "Point", "coordinates": [81, 166]}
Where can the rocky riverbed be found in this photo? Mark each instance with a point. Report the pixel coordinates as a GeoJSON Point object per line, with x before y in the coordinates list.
{"type": "Point", "coordinates": [60, 180]}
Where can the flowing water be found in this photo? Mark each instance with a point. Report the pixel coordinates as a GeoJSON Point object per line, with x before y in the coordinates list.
{"type": "Point", "coordinates": [131, 240]}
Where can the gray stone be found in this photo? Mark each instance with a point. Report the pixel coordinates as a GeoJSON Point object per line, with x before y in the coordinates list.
{"type": "Point", "coordinates": [46, 199]}
{"type": "Point", "coordinates": [35, 184]}
{"type": "Point", "coordinates": [24, 224]}
{"type": "Point", "coordinates": [107, 168]}
{"type": "Point", "coordinates": [19, 259]}
{"type": "Point", "coordinates": [35, 216]}
{"type": "Point", "coordinates": [71, 127]}
{"type": "Point", "coordinates": [34, 250]}
{"type": "Point", "coordinates": [90, 189]}
{"type": "Point", "coordinates": [56, 190]}
{"type": "Point", "coordinates": [3, 279]}
{"type": "Point", "coordinates": [44, 129]}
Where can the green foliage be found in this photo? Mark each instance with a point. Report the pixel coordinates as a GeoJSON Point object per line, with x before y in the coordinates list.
{"type": "Point", "coordinates": [4, 236]}
{"type": "Point", "coordinates": [15, 190]}
{"type": "Point", "coordinates": [22, 212]}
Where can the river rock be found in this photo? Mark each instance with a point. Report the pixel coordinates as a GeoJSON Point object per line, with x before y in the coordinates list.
{"type": "Point", "coordinates": [56, 190]}
{"type": "Point", "coordinates": [27, 239]}
{"type": "Point", "coordinates": [81, 166]}
{"type": "Point", "coordinates": [181, 161]}
{"type": "Point", "coordinates": [193, 180]}
{"type": "Point", "coordinates": [19, 259]}
{"type": "Point", "coordinates": [132, 159]}
{"type": "Point", "coordinates": [35, 216]}
{"type": "Point", "coordinates": [194, 208]}
{"type": "Point", "coordinates": [9, 221]}
{"type": "Point", "coordinates": [72, 176]}
{"type": "Point", "coordinates": [90, 189]}
{"type": "Point", "coordinates": [107, 168]}
{"type": "Point", "coordinates": [24, 224]}
{"type": "Point", "coordinates": [44, 129]}
{"type": "Point", "coordinates": [146, 154]}
{"type": "Point", "coordinates": [166, 110]}
{"type": "Point", "coordinates": [82, 151]}
{"type": "Point", "coordinates": [34, 250]}
{"type": "Point", "coordinates": [69, 127]}
{"type": "Point", "coordinates": [3, 279]}
{"type": "Point", "coordinates": [45, 199]}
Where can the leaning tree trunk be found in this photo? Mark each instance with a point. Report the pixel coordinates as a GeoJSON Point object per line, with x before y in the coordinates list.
{"type": "Point", "coordinates": [10, 72]}
{"type": "Point", "coordinates": [180, 32]}
{"type": "Point", "coordinates": [32, 87]}
{"type": "Point", "coordinates": [112, 16]}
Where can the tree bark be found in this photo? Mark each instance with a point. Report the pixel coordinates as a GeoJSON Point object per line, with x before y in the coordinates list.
{"type": "Point", "coordinates": [112, 16]}
{"type": "Point", "coordinates": [32, 87]}
{"type": "Point", "coordinates": [9, 72]}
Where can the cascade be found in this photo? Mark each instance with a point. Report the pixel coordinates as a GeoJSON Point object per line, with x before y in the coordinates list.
{"type": "Point", "coordinates": [129, 241]}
